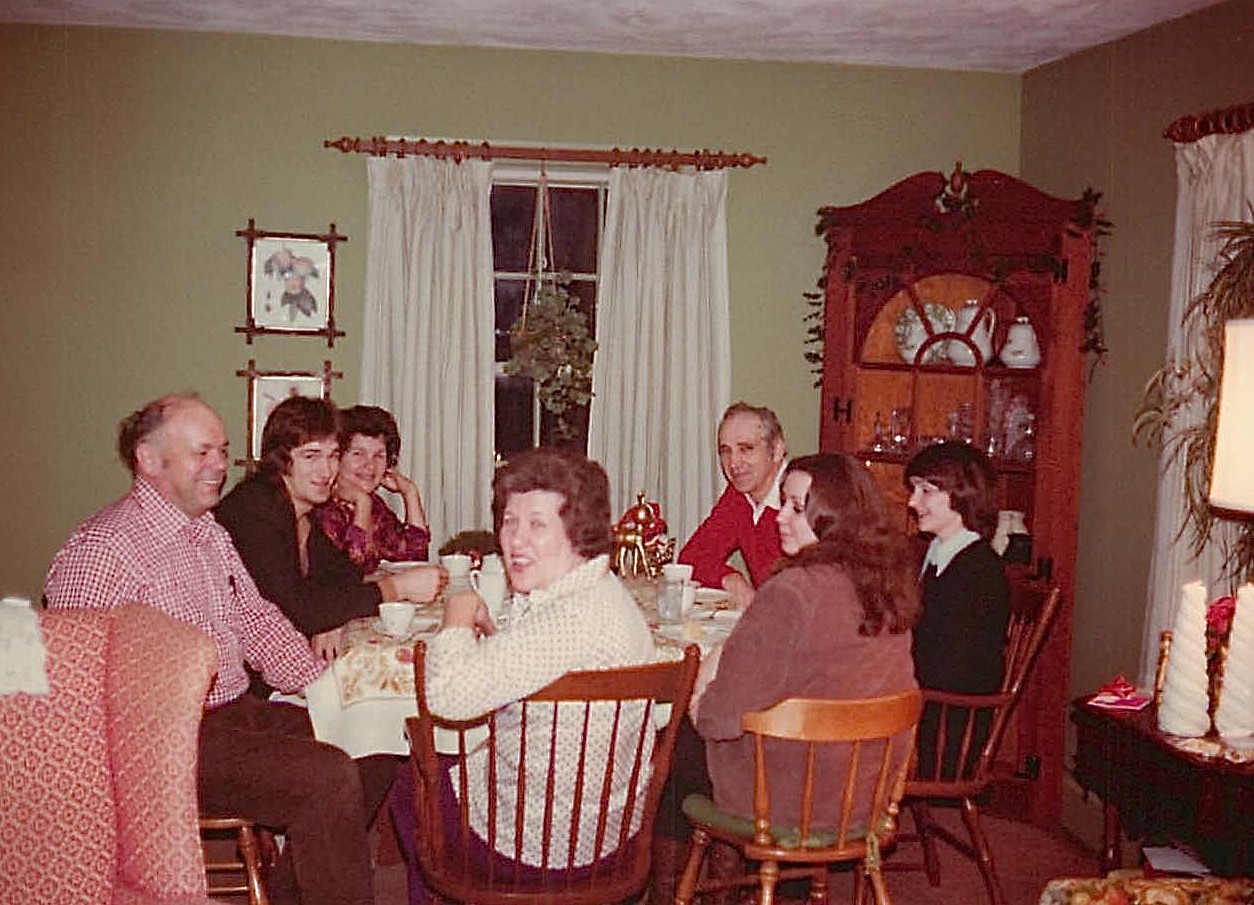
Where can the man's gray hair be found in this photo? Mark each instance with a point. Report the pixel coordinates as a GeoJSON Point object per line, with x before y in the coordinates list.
{"type": "Point", "coordinates": [139, 425]}
{"type": "Point", "coordinates": [770, 423]}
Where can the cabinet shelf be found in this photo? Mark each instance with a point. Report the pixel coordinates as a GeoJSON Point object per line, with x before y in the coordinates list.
{"type": "Point", "coordinates": [989, 371]}
{"type": "Point", "coordinates": [891, 457]}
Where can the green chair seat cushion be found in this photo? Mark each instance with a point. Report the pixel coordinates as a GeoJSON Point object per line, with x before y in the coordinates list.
{"type": "Point", "coordinates": [701, 809]}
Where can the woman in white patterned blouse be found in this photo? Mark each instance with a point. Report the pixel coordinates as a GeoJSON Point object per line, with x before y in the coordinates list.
{"type": "Point", "coordinates": [569, 612]}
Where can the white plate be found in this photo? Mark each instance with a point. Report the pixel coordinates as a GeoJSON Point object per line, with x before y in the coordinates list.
{"type": "Point", "coordinates": [727, 617]}
{"type": "Point", "coordinates": [389, 566]}
{"type": "Point", "coordinates": [710, 595]}
{"type": "Point", "coordinates": [686, 634]}
{"type": "Point", "coordinates": [910, 336]}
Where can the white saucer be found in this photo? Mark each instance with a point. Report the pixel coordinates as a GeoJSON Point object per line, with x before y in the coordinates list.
{"type": "Point", "coordinates": [710, 595]}
{"type": "Point", "coordinates": [386, 565]}
{"type": "Point", "coordinates": [420, 625]}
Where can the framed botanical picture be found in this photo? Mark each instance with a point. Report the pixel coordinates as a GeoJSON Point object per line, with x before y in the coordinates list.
{"type": "Point", "coordinates": [290, 283]}
{"type": "Point", "coordinates": [266, 389]}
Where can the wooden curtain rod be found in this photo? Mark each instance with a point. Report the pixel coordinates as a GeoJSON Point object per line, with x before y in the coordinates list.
{"type": "Point", "coordinates": [378, 146]}
{"type": "Point", "coordinates": [1228, 121]}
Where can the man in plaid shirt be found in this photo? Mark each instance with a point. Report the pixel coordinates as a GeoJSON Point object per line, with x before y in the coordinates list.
{"type": "Point", "coordinates": [160, 545]}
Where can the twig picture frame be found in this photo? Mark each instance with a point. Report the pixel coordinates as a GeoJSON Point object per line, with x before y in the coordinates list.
{"type": "Point", "coordinates": [266, 389]}
{"type": "Point", "coordinates": [290, 283]}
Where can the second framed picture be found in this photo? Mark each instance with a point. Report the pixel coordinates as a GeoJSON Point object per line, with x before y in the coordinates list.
{"type": "Point", "coordinates": [266, 389]}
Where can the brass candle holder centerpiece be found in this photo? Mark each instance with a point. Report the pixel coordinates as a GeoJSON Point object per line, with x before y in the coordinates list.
{"type": "Point", "coordinates": [641, 545]}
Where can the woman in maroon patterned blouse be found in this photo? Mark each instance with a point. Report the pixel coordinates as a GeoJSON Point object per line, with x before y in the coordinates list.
{"type": "Point", "coordinates": [356, 518]}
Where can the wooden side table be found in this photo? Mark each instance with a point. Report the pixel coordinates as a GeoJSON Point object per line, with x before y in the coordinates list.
{"type": "Point", "coordinates": [1150, 787]}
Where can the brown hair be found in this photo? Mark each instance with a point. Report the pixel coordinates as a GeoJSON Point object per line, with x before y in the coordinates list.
{"type": "Point", "coordinates": [846, 511]}
{"type": "Point", "coordinates": [771, 430]}
{"type": "Point", "coordinates": [582, 482]}
{"type": "Point", "coordinates": [141, 424]}
{"type": "Point", "coordinates": [294, 422]}
{"type": "Point", "coordinates": [371, 421]}
{"type": "Point", "coordinates": [964, 473]}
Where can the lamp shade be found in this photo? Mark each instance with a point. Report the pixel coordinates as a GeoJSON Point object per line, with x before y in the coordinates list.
{"type": "Point", "coordinates": [1232, 481]}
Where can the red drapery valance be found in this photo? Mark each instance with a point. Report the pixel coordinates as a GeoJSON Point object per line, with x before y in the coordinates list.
{"type": "Point", "coordinates": [1228, 121]}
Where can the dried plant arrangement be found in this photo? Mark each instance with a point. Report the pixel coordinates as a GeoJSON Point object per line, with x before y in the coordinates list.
{"type": "Point", "coordinates": [1192, 385]}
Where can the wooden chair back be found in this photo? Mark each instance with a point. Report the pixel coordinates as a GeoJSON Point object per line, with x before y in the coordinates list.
{"type": "Point", "coordinates": [874, 733]}
{"type": "Point", "coordinates": [241, 875]}
{"type": "Point", "coordinates": [980, 721]}
{"type": "Point", "coordinates": [877, 730]}
{"type": "Point", "coordinates": [633, 695]}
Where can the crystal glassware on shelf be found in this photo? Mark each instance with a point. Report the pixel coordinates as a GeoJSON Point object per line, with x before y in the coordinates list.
{"type": "Point", "coordinates": [878, 441]}
{"type": "Point", "coordinates": [998, 399]}
{"type": "Point", "coordinates": [899, 429]}
{"type": "Point", "coordinates": [962, 423]}
{"type": "Point", "coordinates": [1017, 425]}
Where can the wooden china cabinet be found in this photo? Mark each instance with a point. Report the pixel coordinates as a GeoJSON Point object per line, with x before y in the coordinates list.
{"type": "Point", "coordinates": [924, 285]}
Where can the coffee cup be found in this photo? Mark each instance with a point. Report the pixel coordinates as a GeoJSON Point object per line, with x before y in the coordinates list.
{"type": "Point", "coordinates": [491, 587]}
{"type": "Point", "coordinates": [397, 617]}
{"type": "Point", "coordinates": [677, 572]}
{"type": "Point", "coordinates": [457, 565]}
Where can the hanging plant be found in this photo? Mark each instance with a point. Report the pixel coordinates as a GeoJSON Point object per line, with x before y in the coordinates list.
{"type": "Point", "coordinates": [1194, 382]}
{"type": "Point", "coordinates": [552, 346]}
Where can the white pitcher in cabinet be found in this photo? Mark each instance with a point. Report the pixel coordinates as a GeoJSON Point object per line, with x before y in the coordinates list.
{"type": "Point", "coordinates": [1022, 350]}
{"type": "Point", "coordinates": [981, 335]}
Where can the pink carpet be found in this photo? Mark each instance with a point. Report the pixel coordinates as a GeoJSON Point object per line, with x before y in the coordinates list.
{"type": "Point", "coordinates": [1026, 856]}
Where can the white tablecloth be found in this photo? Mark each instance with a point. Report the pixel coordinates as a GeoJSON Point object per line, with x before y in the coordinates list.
{"type": "Point", "coordinates": [361, 702]}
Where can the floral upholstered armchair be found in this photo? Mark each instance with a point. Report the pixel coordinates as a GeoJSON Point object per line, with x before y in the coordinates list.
{"type": "Point", "coordinates": [98, 777]}
{"type": "Point", "coordinates": [1130, 887]}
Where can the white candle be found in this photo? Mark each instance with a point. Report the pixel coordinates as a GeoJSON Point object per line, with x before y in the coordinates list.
{"type": "Point", "coordinates": [1185, 696]}
{"type": "Point", "coordinates": [1234, 717]}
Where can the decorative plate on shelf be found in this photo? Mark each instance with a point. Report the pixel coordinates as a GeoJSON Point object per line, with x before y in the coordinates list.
{"type": "Point", "coordinates": [911, 333]}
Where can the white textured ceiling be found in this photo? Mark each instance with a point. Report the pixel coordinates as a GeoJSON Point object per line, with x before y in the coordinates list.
{"type": "Point", "coordinates": [991, 35]}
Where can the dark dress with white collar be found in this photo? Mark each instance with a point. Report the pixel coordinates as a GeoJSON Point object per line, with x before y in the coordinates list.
{"type": "Point", "coordinates": [959, 638]}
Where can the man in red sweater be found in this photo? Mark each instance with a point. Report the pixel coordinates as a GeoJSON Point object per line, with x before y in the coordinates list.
{"type": "Point", "coordinates": [751, 451]}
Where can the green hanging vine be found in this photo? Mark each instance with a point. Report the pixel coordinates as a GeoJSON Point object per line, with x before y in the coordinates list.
{"type": "Point", "coordinates": [551, 345]}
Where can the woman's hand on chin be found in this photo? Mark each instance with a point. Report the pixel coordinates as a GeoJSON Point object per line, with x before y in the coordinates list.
{"type": "Point", "coordinates": [349, 492]}
{"type": "Point", "coordinates": [466, 609]}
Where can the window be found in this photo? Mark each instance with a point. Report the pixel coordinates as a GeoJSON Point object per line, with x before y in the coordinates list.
{"type": "Point", "coordinates": [561, 236]}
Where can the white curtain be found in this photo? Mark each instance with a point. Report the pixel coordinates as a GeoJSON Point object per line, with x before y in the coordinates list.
{"type": "Point", "coordinates": [427, 351]}
{"type": "Point", "coordinates": [663, 362]}
{"type": "Point", "coordinates": [1215, 183]}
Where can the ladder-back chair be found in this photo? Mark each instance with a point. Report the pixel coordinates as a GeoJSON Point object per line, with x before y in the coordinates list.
{"type": "Point", "coordinates": [875, 731]}
{"type": "Point", "coordinates": [633, 698]}
{"type": "Point", "coordinates": [956, 763]}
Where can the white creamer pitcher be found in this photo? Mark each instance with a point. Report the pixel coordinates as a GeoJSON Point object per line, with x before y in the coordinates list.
{"type": "Point", "coordinates": [1022, 350]}
{"type": "Point", "coordinates": [981, 334]}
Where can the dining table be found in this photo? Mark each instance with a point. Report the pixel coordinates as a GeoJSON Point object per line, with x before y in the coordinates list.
{"type": "Point", "coordinates": [360, 703]}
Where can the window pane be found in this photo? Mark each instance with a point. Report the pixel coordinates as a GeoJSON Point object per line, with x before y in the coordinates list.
{"type": "Point", "coordinates": [515, 426]}
{"type": "Point", "coordinates": [576, 418]}
{"type": "Point", "coordinates": [509, 304]}
{"type": "Point", "coordinates": [586, 290]}
{"type": "Point", "coordinates": [513, 216]}
{"type": "Point", "coordinates": [575, 228]}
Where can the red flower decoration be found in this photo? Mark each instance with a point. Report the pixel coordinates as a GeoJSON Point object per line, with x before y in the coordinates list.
{"type": "Point", "coordinates": [1219, 615]}
{"type": "Point", "coordinates": [1218, 622]}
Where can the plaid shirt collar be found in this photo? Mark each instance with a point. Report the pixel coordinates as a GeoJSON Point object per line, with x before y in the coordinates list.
{"type": "Point", "coordinates": [165, 518]}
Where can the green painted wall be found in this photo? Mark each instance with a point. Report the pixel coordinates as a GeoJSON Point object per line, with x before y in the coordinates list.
{"type": "Point", "coordinates": [128, 159]}
{"type": "Point", "coordinates": [1097, 119]}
